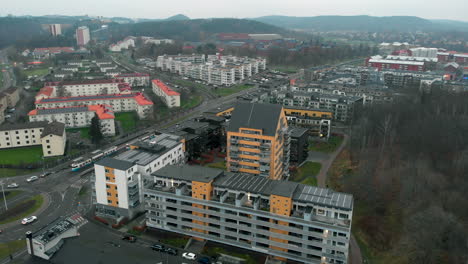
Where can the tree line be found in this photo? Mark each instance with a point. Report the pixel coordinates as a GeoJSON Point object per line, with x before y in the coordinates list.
{"type": "Point", "coordinates": [409, 180]}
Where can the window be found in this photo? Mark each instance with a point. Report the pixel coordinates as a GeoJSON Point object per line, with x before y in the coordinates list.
{"type": "Point", "coordinates": [47, 141]}
{"type": "Point", "coordinates": [48, 152]}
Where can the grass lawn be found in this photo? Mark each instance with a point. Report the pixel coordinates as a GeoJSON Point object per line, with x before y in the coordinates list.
{"type": "Point", "coordinates": [11, 247]}
{"type": "Point", "coordinates": [38, 72]}
{"type": "Point", "coordinates": [333, 143]}
{"type": "Point", "coordinates": [213, 251]}
{"type": "Point", "coordinates": [84, 132]}
{"type": "Point", "coordinates": [193, 101]}
{"type": "Point", "coordinates": [10, 194]}
{"type": "Point", "coordinates": [128, 120]}
{"type": "Point", "coordinates": [24, 155]}
{"type": "Point", "coordinates": [7, 172]}
{"type": "Point", "coordinates": [22, 210]}
{"type": "Point", "coordinates": [306, 173]}
{"type": "Point", "coordinates": [175, 242]}
{"type": "Point", "coordinates": [83, 191]}
{"type": "Point", "coordinates": [225, 91]}
{"type": "Point", "coordinates": [218, 165]}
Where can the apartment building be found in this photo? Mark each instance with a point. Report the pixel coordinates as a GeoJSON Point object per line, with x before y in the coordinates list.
{"type": "Point", "coordinates": [51, 136]}
{"type": "Point", "coordinates": [258, 141]}
{"type": "Point", "coordinates": [284, 219]}
{"type": "Point", "coordinates": [83, 88]}
{"type": "Point", "coordinates": [119, 102]}
{"type": "Point", "coordinates": [135, 79]}
{"type": "Point", "coordinates": [117, 181]}
{"type": "Point", "coordinates": [213, 69]}
{"type": "Point", "coordinates": [77, 116]}
{"type": "Point", "coordinates": [82, 36]}
{"type": "Point", "coordinates": [317, 121]}
{"type": "Point", "coordinates": [299, 145]}
{"type": "Point", "coordinates": [170, 97]}
{"type": "Point", "coordinates": [55, 29]}
{"type": "Point", "coordinates": [12, 96]}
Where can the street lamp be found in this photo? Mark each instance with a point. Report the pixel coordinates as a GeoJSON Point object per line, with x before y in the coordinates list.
{"type": "Point", "coordinates": [4, 197]}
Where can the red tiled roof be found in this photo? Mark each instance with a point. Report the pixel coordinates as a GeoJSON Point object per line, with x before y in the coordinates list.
{"type": "Point", "coordinates": [164, 88]}
{"type": "Point", "coordinates": [136, 74]}
{"type": "Point", "coordinates": [85, 82]}
{"type": "Point", "coordinates": [103, 111]}
{"type": "Point", "coordinates": [139, 97]}
{"type": "Point", "coordinates": [141, 100]}
{"type": "Point", "coordinates": [47, 90]}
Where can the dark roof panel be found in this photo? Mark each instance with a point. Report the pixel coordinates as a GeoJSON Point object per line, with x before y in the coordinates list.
{"type": "Point", "coordinates": [256, 116]}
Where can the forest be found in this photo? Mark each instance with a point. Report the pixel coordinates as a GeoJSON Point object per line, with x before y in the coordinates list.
{"type": "Point", "coordinates": [408, 174]}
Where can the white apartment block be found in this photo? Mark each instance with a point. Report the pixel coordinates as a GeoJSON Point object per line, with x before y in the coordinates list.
{"type": "Point", "coordinates": [214, 69]}
{"type": "Point", "coordinates": [170, 97]}
{"type": "Point", "coordinates": [118, 184]}
{"type": "Point", "coordinates": [51, 136]}
{"type": "Point", "coordinates": [135, 79]}
{"type": "Point", "coordinates": [77, 116]}
{"type": "Point", "coordinates": [150, 40]}
{"type": "Point", "coordinates": [124, 44]}
{"type": "Point", "coordinates": [83, 88]}
{"type": "Point", "coordinates": [119, 102]}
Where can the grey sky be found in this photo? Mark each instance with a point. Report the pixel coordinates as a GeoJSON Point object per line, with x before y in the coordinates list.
{"type": "Point", "coordinates": [448, 9]}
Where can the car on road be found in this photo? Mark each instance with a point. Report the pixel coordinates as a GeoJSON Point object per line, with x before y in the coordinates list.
{"type": "Point", "coordinates": [12, 185]}
{"type": "Point", "coordinates": [28, 220]}
{"type": "Point", "coordinates": [113, 244]}
{"type": "Point", "coordinates": [32, 178]}
{"type": "Point", "coordinates": [189, 255]}
{"type": "Point", "coordinates": [171, 251]}
{"type": "Point", "coordinates": [204, 260]}
{"type": "Point", "coordinates": [157, 247]}
{"type": "Point", "coordinates": [45, 174]}
{"type": "Point", "coordinates": [130, 238]}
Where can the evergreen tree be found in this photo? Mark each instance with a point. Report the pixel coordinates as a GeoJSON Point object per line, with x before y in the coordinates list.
{"type": "Point", "coordinates": [95, 130]}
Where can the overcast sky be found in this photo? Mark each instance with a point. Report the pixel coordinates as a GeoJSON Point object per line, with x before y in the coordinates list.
{"type": "Point", "coordinates": [448, 9]}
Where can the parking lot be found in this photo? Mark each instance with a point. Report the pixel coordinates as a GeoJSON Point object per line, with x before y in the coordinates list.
{"type": "Point", "coordinates": [94, 246]}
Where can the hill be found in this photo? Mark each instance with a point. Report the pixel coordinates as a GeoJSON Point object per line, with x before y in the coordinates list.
{"type": "Point", "coordinates": [13, 29]}
{"type": "Point", "coordinates": [194, 29]}
{"type": "Point", "coordinates": [358, 23]}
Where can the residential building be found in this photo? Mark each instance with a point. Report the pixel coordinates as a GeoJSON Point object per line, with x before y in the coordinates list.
{"type": "Point", "coordinates": [117, 180]}
{"type": "Point", "coordinates": [381, 64]}
{"type": "Point", "coordinates": [124, 44]}
{"type": "Point", "coordinates": [82, 36]}
{"type": "Point", "coordinates": [318, 121]}
{"type": "Point", "coordinates": [77, 116]}
{"type": "Point", "coordinates": [299, 145]}
{"type": "Point", "coordinates": [51, 51]}
{"type": "Point", "coordinates": [51, 136]}
{"type": "Point", "coordinates": [285, 219]}
{"type": "Point", "coordinates": [55, 29]}
{"type": "Point", "coordinates": [119, 102]}
{"type": "Point", "coordinates": [48, 240]}
{"type": "Point", "coordinates": [83, 88]}
{"type": "Point", "coordinates": [170, 97]}
{"type": "Point", "coordinates": [135, 79]}
{"type": "Point", "coordinates": [12, 96]}
{"type": "Point", "coordinates": [258, 141]}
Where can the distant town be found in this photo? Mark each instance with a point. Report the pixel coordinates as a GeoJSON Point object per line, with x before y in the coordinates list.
{"type": "Point", "coordinates": [125, 147]}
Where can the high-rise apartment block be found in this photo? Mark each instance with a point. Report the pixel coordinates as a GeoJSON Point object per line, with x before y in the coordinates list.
{"type": "Point", "coordinates": [258, 141]}
{"type": "Point", "coordinates": [82, 36]}
{"type": "Point", "coordinates": [285, 219]}
{"type": "Point", "coordinates": [55, 29]}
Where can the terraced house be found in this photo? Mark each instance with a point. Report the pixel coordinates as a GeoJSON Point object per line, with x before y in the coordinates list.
{"type": "Point", "coordinates": [285, 219]}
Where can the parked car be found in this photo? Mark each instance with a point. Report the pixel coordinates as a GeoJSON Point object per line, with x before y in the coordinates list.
{"type": "Point", "coordinates": [11, 110]}
{"type": "Point", "coordinates": [32, 178]}
{"type": "Point", "coordinates": [189, 255]}
{"type": "Point", "coordinates": [204, 260]}
{"type": "Point", "coordinates": [130, 238]}
{"type": "Point", "coordinates": [12, 185]}
{"type": "Point", "coordinates": [157, 247]}
{"type": "Point", "coordinates": [28, 220]}
{"type": "Point", "coordinates": [45, 174]}
{"type": "Point", "coordinates": [171, 251]}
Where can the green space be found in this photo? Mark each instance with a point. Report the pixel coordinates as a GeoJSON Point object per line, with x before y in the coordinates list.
{"type": "Point", "coordinates": [225, 91]}
{"type": "Point", "coordinates": [11, 247]}
{"type": "Point", "coordinates": [327, 146]}
{"type": "Point", "coordinates": [285, 69]}
{"type": "Point", "coordinates": [7, 172]}
{"type": "Point", "coordinates": [1, 79]}
{"type": "Point", "coordinates": [21, 210]}
{"type": "Point", "coordinates": [10, 194]}
{"type": "Point", "coordinates": [128, 120]}
{"type": "Point", "coordinates": [306, 174]}
{"type": "Point", "coordinates": [217, 165]}
{"type": "Point", "coordinates": [84, 132]}
{"type": "Point", "coordinates": [83, 191]}
{"type": "Point", "coordinates": [24, 155]}
{"type": "Point", "coordinates": [214, 251]}
{"type": "Point", "coordinates": [38, 72]}
{"type": "Point", "coordinates": [193, 101]}
{"type": "Point", "coordinates": [175, 242]}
